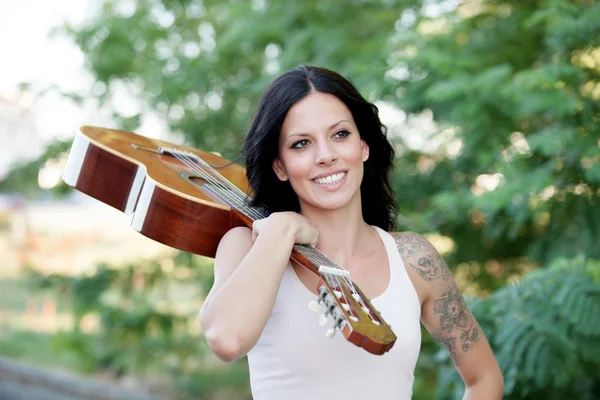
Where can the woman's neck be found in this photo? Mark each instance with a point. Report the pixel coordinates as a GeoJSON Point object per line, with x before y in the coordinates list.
{"type": "Point", "coordinates": [343, 233]}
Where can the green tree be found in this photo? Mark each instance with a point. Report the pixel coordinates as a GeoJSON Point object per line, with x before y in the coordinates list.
{"type": "Point", "coordinates": [515, 88]}
{"type": "Point", "coordinates": [545, 332]}
{"type": "Point", "coordinates": [203, 65]}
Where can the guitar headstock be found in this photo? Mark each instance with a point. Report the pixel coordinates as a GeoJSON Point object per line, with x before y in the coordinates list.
{"type": "Point", "coordinates": [351, 311]}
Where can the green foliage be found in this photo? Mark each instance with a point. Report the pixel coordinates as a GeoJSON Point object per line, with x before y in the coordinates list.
{"type": "Point", "coordinates": [136, 320]}
{"type": "Point", "coordinates": [545, 332]}
{"type": "Point", "coordinates": [35, 348]}
{"type": "Point", "coordinates": [130, 325]}
{"type": "Point", "coordinates": [203, 65]}
{"type": "Point", "coordinates": [516, 83]}
{"type": "Point", "coordinates": [231, 382]}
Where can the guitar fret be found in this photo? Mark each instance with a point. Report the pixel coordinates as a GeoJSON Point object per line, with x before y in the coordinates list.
{"type": "Point", "coordinates": [315, 256]}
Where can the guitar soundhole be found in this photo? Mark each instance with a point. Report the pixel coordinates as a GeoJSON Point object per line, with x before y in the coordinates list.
{"type": "Point", "coordinates": [195, 180]}
{"type": "Point", "coordinates": [198, 181]}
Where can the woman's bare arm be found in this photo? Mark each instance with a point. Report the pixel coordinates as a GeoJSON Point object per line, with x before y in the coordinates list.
{"type": "Point", "coordinates": [446, 316]}
{"type": "Point", "coordinates": [247, 279]}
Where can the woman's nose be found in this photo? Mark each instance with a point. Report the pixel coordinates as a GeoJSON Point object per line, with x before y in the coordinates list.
{"type": "Point", "coordinates": [325, 154]}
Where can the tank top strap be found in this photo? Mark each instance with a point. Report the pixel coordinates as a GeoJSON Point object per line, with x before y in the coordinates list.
{"type": "Point", "coordinates": [400, 283]}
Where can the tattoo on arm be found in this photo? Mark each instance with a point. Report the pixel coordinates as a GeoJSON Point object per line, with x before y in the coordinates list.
{"type": "Point", "coordinates": [455, 320]}
{"type": "Point", "coordinates": [431, 269]}
{"type": "Point", "coordinates": [409, 245]}
{"type": "Point", "coordinates": [458, 329]}
{"type": "Point", "coordinates": [430, 265]}
{"type": "Point", "coordinates": [449, 343]}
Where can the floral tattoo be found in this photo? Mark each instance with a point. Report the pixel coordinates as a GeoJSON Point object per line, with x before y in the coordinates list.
{"type": "Point", "coordinates": [458, 329]}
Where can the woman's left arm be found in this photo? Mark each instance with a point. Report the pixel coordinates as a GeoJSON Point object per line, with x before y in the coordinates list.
{"type": "Point", "coordinates": [449, 320]}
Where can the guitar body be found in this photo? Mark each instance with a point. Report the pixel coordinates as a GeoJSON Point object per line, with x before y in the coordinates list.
{"type": "Point", "coordinates": [162, 195]}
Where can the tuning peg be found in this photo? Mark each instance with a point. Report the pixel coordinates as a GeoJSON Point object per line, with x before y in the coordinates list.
{"type": "Point", "coordinates": [322, 319]}
{"type": "Point", "coordinates": [338, 294]}
{"type": "Point", "coordinates": [330, 333]}
{"type": "Point", "coordinates": [366, 310]}
{"type": "Point", "coordinates": [346, 306]}
{"type": "Point", "coordinates": [322, 290]}
{"type": "Point", "coordinates": [355, 296]}
{"type": "Point", "coordinates": [314, 306]}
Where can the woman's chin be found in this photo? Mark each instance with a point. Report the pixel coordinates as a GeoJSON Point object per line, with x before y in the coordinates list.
{"type": "Point", "coordinates": [331, 202]}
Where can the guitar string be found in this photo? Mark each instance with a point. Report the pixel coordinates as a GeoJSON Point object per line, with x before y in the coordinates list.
{"type": "Point", "coordinates": [343, 294]}
{"type": "Point", "coordinates": [220, 182]}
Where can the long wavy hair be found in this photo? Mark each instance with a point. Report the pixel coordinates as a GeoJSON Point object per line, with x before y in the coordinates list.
{"type": "Point", "coordinates": [260, 147]}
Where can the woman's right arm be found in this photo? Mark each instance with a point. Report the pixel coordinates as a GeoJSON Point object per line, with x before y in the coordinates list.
{"type": "Point", "coordinates": [247, 279]}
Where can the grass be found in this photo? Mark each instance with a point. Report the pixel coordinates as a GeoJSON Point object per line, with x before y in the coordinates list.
{"type": "Point", "coordinates": [20, 342]}
{"type": "Point", "coordinates": [35, 348]}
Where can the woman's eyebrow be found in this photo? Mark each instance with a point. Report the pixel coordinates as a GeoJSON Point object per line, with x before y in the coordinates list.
{"type": "Point", "coordinates": [339, 122]}
{"type": "Point", "coordinates": [308, 134]}
{"type": "Point", "coordinates": [297, 134]}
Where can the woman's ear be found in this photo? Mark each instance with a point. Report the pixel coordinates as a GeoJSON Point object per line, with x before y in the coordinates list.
{"type": "Point", "coordinates": [279, 170]}
{"type": "Point", "coordinates": [365, 150]}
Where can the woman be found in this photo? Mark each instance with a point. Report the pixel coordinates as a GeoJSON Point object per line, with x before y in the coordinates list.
{"type": "Point", "coordinates": [318, 160]}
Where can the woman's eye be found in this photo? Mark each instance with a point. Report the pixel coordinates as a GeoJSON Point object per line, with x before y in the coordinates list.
{"type": "Point", "coordinates": [299, 144]}
{"type": "Point", "coordinates": [343, 133]}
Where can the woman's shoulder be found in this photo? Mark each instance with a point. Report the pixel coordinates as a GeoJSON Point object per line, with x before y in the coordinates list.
{"type": "Point", "coordinates": [235, 239]}
{"type": "Point", "coordinates": [237, 231]}
{"type": "Point", "coordinates": [235, 234]}
{"type": "Point", "coordinates": [422, 261]}
{"type": "Point", "coordinates": [411, 244]}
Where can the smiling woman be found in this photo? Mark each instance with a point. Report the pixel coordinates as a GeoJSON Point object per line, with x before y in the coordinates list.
{"type": "Point", "coordinates": [324, 91]}
{"type": "Point", "coordinates": [318, 160]}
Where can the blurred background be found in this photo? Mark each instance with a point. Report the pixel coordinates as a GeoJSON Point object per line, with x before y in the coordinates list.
{"type": "Point", "coordinates": [493, 108]}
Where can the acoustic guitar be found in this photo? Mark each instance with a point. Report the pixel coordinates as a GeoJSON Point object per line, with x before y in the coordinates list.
{"type": "Point", "coordinates": [188, 199]}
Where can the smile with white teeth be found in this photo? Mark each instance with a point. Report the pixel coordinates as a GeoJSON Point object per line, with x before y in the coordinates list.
{"type": "Point", "coordinates": [331, 179]}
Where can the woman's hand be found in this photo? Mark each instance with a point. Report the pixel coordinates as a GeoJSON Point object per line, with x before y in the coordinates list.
{"type": "Point", "coordinates": [304, 231]}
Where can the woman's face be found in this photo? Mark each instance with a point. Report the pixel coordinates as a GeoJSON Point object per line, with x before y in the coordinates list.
{"type": "Point", "coordinates": [321, 152]}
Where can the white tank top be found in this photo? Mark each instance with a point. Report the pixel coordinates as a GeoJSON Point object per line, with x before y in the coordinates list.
{"type": "Point", "coordinates": [293, 360]}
